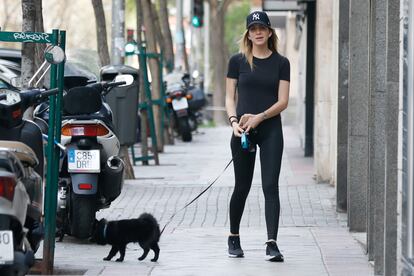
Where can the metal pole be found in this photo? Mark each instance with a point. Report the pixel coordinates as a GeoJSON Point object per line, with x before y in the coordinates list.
{"type": "Point", "coordinates": [408, 182]}
{"type": "Point", "coordinates": [199, 56]}
{"type": "Point", "coordinates": [150, 112]}
{"type": "Point", "coordinates": [192, 58]}
{"type": "Point", "coordinates": [51, 185]}
{"type": "Point", "coordinates": [162, 97]}
{"type": "Point", "coordinates": [61, 73]}
{"type": "Point", "coordinates": [310, 79]}
{"type": "Point", "coordinates": [179, 36]}
{"type": "Point", "coordinates": [206, 47]}
{"type": "Point", "coordinates": [118, 39]}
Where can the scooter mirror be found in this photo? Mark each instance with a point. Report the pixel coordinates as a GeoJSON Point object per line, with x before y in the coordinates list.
{"type": "Point", "coordinates": [54, 54]}
{"type": "Point", "coordinates": [129, 79]}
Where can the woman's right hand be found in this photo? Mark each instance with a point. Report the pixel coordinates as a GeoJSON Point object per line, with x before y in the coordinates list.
{"type": "Point", "coordinates": [237, 130]}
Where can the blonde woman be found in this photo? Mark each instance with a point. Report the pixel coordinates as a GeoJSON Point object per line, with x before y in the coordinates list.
{"type": "Point", "coordinates": [257, 91]}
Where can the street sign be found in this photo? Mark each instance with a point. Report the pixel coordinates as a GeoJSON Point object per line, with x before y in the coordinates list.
{"type": "Point", "coordinates": [26, 37]}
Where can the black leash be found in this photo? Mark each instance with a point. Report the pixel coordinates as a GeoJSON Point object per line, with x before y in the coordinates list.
{"type": "Point", "coordinates": [194, 199]}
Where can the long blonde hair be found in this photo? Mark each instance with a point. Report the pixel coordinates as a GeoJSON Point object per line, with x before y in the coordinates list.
{"type": "Point", "coordinates": [246, 45]}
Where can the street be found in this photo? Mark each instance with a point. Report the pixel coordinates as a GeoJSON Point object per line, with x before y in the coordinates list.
{"type": "Point", "coordinates": [312, 236]}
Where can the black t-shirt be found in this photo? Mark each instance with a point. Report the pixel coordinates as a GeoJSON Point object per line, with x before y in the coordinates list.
{"type": "Point", "coordinates": [258, 89]}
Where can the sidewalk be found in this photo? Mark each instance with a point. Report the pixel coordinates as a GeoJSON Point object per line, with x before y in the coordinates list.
{"type": "Point", "coordinates": [312, 236]}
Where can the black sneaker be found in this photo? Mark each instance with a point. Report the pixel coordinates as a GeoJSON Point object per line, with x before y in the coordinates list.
{"type": "Point", "coordinates": [273, 252]}
{"type": "Point", "coordinates": [235, 250]}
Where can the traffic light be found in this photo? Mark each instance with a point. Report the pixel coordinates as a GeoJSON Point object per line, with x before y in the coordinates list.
{"type": "Point", "coordinates": [131, 44]}
{"type": "Point", "coordinates": [198, 13]}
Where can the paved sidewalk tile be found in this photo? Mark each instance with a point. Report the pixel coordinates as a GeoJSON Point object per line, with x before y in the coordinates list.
{"type": "Point", "coordinates": [313, 237]}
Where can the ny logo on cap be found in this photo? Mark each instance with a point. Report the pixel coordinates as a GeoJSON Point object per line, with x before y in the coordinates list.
{"type": "Point", "coordinates": [256, 16]}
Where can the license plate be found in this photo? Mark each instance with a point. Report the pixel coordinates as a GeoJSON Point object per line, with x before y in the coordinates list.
{"type": "Point", "coordinates": [84, 161]}
{"type": "Point", "coordinates": [179, 104]}
{"type": "Point", "coordinates": [6, 247]}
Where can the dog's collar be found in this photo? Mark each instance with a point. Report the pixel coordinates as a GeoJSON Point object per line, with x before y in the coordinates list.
{"type": "Point", "coordinates": [104, 230]}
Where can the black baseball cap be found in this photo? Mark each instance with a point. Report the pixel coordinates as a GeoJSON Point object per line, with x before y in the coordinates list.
{"type": "Point", "coordinates": [257, 17]}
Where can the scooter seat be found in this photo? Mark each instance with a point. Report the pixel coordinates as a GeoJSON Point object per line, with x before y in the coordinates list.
{"type": "Point", "coordinates": [21, 150]}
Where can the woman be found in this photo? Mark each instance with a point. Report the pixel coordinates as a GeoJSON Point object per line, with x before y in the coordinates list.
{"type": "Point", "coordinates": [257, 91]}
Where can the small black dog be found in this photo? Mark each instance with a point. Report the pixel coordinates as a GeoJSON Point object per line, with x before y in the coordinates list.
{"type": "Point", "coordinates": [144, 230]}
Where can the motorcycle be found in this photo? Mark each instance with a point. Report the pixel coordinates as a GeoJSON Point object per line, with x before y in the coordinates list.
{"type": "Point", "coordinates": [177, 101]}
{"type": "Point", "coordinates": [185, 102]}
{"type": "Point", "coordinates": [90, 170]}
{"type": "Point", "coordinates": [21, 180]}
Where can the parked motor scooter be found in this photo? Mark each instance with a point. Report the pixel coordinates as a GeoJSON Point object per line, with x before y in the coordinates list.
{"type": "Point", "coordinates": [15, 258]}
{"type": "Point", "coordinates": [21, 174]}
{"type": "Point", "coordinates": [177, 101]}
{"type": "Point", "coordinates": [21, 185]}
{"type": "Point", "coordinates": [185, 101]}
{"type": "Point", "coordinates": [90, 172]}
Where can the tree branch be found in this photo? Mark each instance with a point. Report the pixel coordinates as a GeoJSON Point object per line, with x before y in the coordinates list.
{"type": "Point", "coordinates": [225, 5]}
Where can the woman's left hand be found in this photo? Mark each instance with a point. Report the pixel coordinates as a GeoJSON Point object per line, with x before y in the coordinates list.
{"type": "Point", "coordinates": [250, 121]}
{"type": "Point", "coordinates": [244, 118]}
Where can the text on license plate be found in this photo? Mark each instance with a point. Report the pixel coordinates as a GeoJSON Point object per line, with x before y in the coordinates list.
{"type": "Point", "coordinates": [180, 104]}
{"type": "Point", "coordinates": [6, 247]}
{"type": "Point", "coordinates": [83, 161]}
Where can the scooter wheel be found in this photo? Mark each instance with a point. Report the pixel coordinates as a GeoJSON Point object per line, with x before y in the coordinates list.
{"type": "Point", "coordinates": [185, 130]}
{"type": "Point", "coordinates": [83, 210]}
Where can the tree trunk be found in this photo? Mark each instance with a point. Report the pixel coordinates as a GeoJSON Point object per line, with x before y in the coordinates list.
{"type": "Point", "coordinates": [185, 56]}
{"type": "Point", "coordinates": [102, 41]}
{"type": "Point", "coordinates": [157, 26]}
{"type": "Point", "coordinates": [32, 54]}
{"type": "Point", "coordinates": [154, 67]}
{"type": "Point", "coordinates": [118, 32]}
{"type": "Point", "coordinates": [28, 49]}
{"type": "Point", "coordinates": [160, 39]}
{"type": "Point", "coordinates": [219, 58]}
{"type": "Point", "coordinates": [129, 169]}
{"type": "Point", "coordinates": [39, 47]}
{"type": "Point", "coordinates": [142, 95]}
{"type": "Point", "coordinates": [118, 26]}
{"type": "Point", "coordinates": [166, 34]}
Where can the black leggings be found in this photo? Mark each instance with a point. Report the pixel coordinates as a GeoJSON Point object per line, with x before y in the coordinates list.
{"type": "Point", "coordinates": [269, 136]}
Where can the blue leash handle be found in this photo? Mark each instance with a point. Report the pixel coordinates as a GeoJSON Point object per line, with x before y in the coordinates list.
{"type": "Point", "coordinates": [244, 141]}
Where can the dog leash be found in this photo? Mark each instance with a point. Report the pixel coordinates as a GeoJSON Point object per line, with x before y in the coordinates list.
{"type": "Point", "coordinates": [245, 144]}
{"type": "Point", "coordinates": [194, 199]}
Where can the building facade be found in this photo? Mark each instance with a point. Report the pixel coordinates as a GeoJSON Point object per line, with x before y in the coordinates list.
{"type": "Point", "coordinates": [356, 68]}
{"type": "Point", "coordinates": [372, 75]}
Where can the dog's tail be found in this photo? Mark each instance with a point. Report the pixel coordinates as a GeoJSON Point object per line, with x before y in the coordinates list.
{"type": "Point", "coordinates": [151, 220]}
